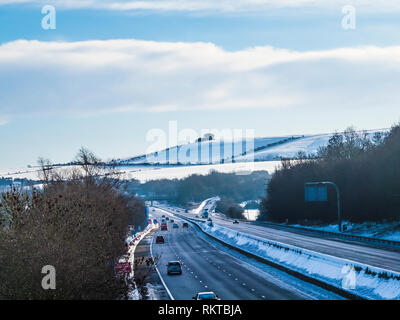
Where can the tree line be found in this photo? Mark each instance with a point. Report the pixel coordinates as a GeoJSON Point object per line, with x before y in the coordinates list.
{"type": "Point", "coordinates": [77, 223]}
{"type": "Point", "coordinates": [366, 170]}
{"type": "Point", "coordinates": [196, 188]}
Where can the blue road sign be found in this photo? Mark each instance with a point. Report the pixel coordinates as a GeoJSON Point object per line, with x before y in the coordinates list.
{"type": "Point", "coordinates": [316, 193]}
{"type": "Point", "coordinates": [155, 221]}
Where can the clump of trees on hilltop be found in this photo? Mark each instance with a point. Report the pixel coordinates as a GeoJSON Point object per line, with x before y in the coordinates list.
{"type": "Point", "coordinates": [77, 224]}
{"type": "Point", "coordinates": [366, 170]}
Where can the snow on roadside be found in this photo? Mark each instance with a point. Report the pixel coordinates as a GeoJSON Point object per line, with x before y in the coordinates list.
{"type": "Point", "coordinates": [199, 209]}
{"type": "Point", "coordinates": [369, 282]}
{"type": "Point", "coordinates": [132, 243]}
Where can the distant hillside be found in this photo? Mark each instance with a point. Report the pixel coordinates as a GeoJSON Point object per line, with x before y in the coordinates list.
{"type": "Point", "coordinates": [215, 151]}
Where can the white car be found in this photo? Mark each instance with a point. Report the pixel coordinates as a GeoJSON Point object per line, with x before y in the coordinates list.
{"type": "Point", "coordinates": [206, 296]}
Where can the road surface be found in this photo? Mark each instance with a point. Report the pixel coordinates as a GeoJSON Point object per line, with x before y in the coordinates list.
{"type": "Point", "coordinates": [207, 267]}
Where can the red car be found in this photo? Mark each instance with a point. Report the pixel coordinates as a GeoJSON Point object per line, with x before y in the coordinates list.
{"type": "Point", "coordinates": [164, 226]}
{"type": "Point", "coordinates": [159, 239]}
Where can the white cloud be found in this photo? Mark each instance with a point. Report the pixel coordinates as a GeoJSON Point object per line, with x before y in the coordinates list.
{"type": "Point", "coordinates": [115, 76]}
{"type": "Point", "coordinates": [257, 6]}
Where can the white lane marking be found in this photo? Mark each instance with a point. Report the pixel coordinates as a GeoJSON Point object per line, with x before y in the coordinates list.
{"type": "Point", "coordinates": [159, 274]}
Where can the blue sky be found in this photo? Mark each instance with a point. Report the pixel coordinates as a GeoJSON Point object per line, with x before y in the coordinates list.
{"type": "Point", "coordinates": [277, 70]}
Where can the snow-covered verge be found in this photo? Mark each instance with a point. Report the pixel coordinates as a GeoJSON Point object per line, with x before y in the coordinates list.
{"type": "Point", "coordinates": [360, 279]}
{"type": "Point", "coordinates": [132, 243]}
{"type": "Point", "coordinates": [386, 231]}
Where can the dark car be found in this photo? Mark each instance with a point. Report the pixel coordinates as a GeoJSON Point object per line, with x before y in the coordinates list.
{"type": "Point", "coordinates": [185, 225]}
{"type": "Point", "coordinates": [163, 215]}
{"type": "Point", "coordinates": [167, 218]}
{"type": "Point", "coordinates": [206, 296]}
{"type": "Point", "coordinates": [174, 267]}
{"type": "Point", "coordinates": [175, 226]}
{"type": "Point", "coordinates": [235, 221]}
{"type": "Point", "coordinates": [172, 220]}
{"type": "Point", "coordinates": [186, 211]}
{"type": "Point", "coordinates": [164, 226]}
{"type": "Point", "coordinates": [160, 239]}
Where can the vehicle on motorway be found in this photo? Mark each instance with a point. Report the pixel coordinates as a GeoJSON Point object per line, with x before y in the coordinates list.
{"type": "Point", "coordinates": [175, 226]}
{"type": "Point", "coordinates": [185, 225]}
{"type": "Point", "coordinates": [205, 213]}
{"type": "Point", "coordinates": [206, 296]}
{"type": "Point", "coordinates": [163, 220]}
{"type": "Point", "coordinates": [172, 220]}
{"type": "Point", "coordinates": [167, 218]}
{"type": "Point", "coordinates": [197, 216]}
{"type": "Point", "coordinates": [163, 216]}
{"type": "Point", "coordinates": [153, 209]}
{"type": "Point", "coordinates": [209, 219]}
{"type": "Point", "coordinates": [186, 211]}
{"type": "Point", "coordinates": [160, 239]}
{"type": "Point", "coordinates": [164, 226]}
{"type": "Point", "coordinates": [174, 267]}
{"type": "Point", "coordinates": [235, 221]}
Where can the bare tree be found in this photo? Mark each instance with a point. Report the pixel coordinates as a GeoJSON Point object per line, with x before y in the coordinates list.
{"type": "Point", "coordinates": [46, 169]}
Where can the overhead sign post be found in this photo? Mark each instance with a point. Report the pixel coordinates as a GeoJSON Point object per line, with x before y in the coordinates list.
{"type": "Point", "coordinates": [318, 192]}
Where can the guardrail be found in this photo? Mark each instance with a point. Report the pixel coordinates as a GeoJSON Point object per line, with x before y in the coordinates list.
{"type": "Point", "coordinates": [370, 240]}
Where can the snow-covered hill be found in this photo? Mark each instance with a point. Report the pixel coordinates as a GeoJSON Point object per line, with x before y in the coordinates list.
{"type": "Point", "coordinates": [214, 152]}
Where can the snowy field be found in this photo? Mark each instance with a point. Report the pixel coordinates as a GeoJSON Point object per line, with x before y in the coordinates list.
{"type": "Point", "coordinates": [146, 173]}
{"type": "Point", "coordinates": [259, 149]}
{"type": "Point", "coordinates": [180, 172]}
{"type": "Point", "coordinates": [251, 214]}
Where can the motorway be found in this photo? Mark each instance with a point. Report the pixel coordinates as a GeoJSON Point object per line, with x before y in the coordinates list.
{"type": "Point", "coordinates": [347, 249]}
{"type": "Point", "coordinates": [336, 247]}
{"type": "Point", "coordinates": [209, 267]}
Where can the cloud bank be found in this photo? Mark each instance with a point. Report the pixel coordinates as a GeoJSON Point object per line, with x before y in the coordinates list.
{"type": "Point", "coordinates": [115, 76]}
